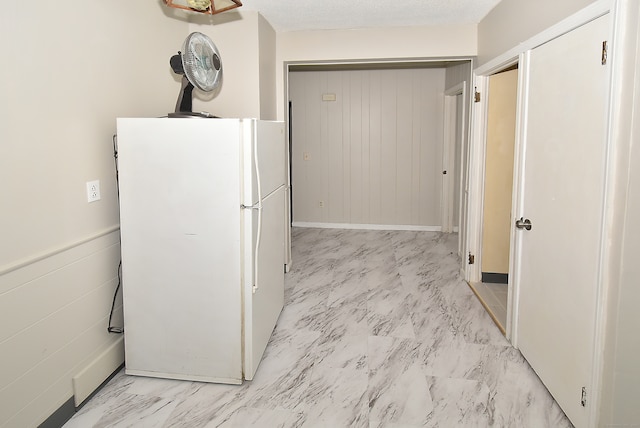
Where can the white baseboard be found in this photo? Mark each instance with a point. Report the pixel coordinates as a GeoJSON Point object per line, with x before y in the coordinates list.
{"type": "Point", "coordinates": [367, 226]}
{"type": "Point", "coordinates": [90, 378]}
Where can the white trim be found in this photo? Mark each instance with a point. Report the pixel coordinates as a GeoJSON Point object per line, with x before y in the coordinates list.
{"type": "Point", "coordinates": [39, 257]}
{"type": "Point", "coordinates": [517, 202]}
{"type": "Point", "coordinates": [97, 371]}
{"type": "Point", "coordinates": [464, 131]}
{"type": "Point", "coordinates": [448, 140]}
{"type": "Point", "coordinates": [607, 234]}
{"type": "Point", "coordinates": [477, 154]}
{"type": "Point", "coordinates": [367, 226]}
{"type": "Point", "coordinates": [450, 112]}
{"type": "Point", "coordinates": [449, 163]}
{"type": "Point", "coordinates": [374, 61]}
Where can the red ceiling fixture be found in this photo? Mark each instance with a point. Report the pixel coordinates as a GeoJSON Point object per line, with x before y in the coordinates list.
{"type": "Point", "coordinates": [210, 7]}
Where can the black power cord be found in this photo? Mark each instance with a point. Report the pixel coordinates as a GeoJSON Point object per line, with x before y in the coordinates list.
{"type": "Point", "coordinates": [110, 328]}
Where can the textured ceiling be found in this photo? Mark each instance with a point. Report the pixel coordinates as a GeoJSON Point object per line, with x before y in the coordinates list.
{"type": "Point", "coordinates": [294, 15]}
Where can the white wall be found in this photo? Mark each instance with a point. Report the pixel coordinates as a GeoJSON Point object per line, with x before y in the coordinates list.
{"type": "Point", "coordinates": [370, 44]}
{"type": "Point", "coordinates": [512, 22]}
{"type": "Point", "coordinates": [69, 71]}
{"type": "Point", "coordinates": [375, 153]}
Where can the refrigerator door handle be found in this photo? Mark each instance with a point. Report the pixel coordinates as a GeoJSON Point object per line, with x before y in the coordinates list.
{"type": "Point", "coordinates": [251, 207]}
{"type": "Point", "coordinates": [259, 208]}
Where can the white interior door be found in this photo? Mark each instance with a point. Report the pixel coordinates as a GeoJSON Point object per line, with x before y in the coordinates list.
{"type": "Point", "coordinates": [562, 196]}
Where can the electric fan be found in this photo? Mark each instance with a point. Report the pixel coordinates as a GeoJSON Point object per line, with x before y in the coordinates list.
{"type": "Point", "coordinates": [200, 66]}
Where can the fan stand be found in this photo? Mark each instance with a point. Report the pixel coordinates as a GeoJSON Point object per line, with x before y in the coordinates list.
{"type": "Point", "coordinates": [184, 105]}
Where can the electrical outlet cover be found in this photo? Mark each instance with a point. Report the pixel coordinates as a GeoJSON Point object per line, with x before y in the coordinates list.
{"type": "Point", "coordinates": [93, 191]}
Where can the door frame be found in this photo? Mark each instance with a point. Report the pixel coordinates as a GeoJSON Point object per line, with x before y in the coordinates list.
{"type": "Point", "coordinates": [330, 64]}
{"type": "Point", "coordinates": [449, 161]}
{"type": "Point", "coordinates": [477, 161]}
{"type": "Point", "coordinates": [520, 55]}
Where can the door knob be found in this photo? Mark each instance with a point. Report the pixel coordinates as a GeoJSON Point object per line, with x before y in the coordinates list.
{"type": "Point", "coordinates": [523, 223]}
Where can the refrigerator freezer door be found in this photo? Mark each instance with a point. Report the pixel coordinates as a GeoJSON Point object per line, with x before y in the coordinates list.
{"type": "Point", "coordinates": [181, 247]}
{"type": "Point", "coordinates": [268, 138]}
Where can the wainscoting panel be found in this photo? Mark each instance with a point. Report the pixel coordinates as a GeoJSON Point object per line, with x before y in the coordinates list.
{"type": "Point", "coordinates": [367, 146]}
{"type": "Point", "coordinates": [54, 314]}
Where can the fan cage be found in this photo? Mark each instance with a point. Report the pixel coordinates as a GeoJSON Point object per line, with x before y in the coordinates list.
{"type": "Point", "coordinates": [196, 49]}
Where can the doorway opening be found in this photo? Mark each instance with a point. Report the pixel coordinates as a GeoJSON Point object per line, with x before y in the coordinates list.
{"type": "Point", "coordinates": [492, 288]}
{"type": "Point", "coordinates": [455, 160]}
{"type": "Point", "coordinates": [370, 161]}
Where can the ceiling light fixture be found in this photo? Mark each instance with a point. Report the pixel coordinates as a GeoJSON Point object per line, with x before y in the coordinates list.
{"type": "Point", "coordinates": [210, 7]}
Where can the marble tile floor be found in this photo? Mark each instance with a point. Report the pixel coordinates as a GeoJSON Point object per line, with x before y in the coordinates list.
{"type": "Point", "coordinates": [378, 330]}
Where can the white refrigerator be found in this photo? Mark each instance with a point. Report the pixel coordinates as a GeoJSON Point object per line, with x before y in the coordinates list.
{"type": "Point", "coordinates": [203, 235]}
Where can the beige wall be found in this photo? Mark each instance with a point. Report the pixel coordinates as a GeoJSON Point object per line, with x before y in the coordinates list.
{"type": "Point", "coordinates": [498, 182]}
{"type": "Point", "coordinates": [370, 44]}
{"type": "Point", "coordinates": [512, 22]}
{"type": "Point", "coordinates": [59, 110]}
{"type": "Point", "coordinates": [247, 45]}
{"type": "Point", "coordinates": [69, 72]}
{"type": "Point", "coordinates": [236, 35]}
{"type": "Point", "coordinates": [374, 155]}
{"type": "Point", "coordinates": [267, 40]}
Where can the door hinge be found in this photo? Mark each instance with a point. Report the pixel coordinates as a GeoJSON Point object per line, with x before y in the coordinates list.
{"type": "Point", "coordinates": [476, 97]}
{"type": "Point", "coordinates": [583, 398]}
{"type": "Point", "coordinates": [605, 48]}
{"type": "Point", "coordinates": [472, 259]}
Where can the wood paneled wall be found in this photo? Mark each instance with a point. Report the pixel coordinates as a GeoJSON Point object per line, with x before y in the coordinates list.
{"type": "Point", "coordinates": [373, 154]}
